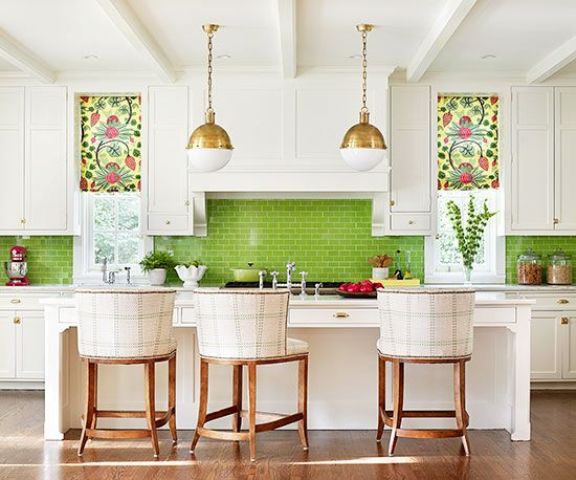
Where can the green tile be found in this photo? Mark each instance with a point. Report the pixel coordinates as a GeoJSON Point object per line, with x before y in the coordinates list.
{"type": "Point", "coordinates": [49, 258]}
{"type": "Point", "coordinates": [330, 239]}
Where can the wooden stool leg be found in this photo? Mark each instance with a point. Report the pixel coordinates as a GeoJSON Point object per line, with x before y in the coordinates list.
{"type": "Point", "coordinates": [252, 408]}
{"type": "Point", "coordinates": [398, 404]}
{"type": "Point", "coordinates": [381, 396]}
{"type": "Point", "coordinates": [460, 403]}
{"type": "Point", "coordinates": [149, 374]}
{"type": "Point", "coordinates": [203, 402]}
{"type": "Point", "coordinates": [172, 397]}
{"type": "Point", "coordinates": [237, 397]}
{"type": "Point", "coordinates": [89, 417]}
{"type": "Point", "coordinates": [303, 401]}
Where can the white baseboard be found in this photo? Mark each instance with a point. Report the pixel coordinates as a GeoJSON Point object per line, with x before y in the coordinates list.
{"type": "Point", "coordinates": [553, 386]}
{"type": "Point", "coordinates": [21, 385]}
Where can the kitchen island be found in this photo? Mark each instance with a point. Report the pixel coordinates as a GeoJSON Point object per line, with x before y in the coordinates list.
{"type": "Point", "coordinates": [342, 334]}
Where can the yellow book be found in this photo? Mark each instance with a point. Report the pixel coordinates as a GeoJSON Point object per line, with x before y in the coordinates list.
{"type": "Point", "coordinates": [392, 282]}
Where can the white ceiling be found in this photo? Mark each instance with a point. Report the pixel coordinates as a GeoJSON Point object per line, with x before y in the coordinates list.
{"type": "Point", "coordinates": [61, 33]}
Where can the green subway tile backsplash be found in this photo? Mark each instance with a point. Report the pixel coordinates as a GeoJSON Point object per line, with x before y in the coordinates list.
{"type": "Point", "coordinates": [544, 246]}
{"type": "Point", "coordinates": [49, 258]}
{"type": "Point", "coordinates": [330, 239]}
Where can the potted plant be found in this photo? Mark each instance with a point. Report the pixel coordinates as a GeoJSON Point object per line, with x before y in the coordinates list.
{"type": "Point", "coordinates": [469, 237]}
{"type": "Point", "coordinates": [380, 264]}
{"type": "Point", "coordinates": [156, 264]}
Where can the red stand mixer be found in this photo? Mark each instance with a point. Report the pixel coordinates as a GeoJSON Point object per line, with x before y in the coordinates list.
{"type": "Point", "coordinates": [17, 267]}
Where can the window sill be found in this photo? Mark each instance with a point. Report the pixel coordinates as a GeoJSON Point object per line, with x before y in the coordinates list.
{"type": "Point", "coordinates": [458, 277]}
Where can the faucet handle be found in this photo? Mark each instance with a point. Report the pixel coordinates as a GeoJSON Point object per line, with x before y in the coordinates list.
{"type": "Point", "coordinates": [317, 288]}
{"type": "Point", "coordinates": [291, 266]}
{"type": "Point", "coordinates": [303, 275]}
{"type": "Point", "coordinates": [274, 273]}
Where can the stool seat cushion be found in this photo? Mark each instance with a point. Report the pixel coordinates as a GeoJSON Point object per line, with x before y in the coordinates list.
{"type": "Point", "coordinates": [296, 347]}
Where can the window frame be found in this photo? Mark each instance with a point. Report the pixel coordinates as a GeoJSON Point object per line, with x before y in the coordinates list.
{"type": "Point", "coordinates": [497, 270]}
{"type": "Point", "coordinates": [83, 269]}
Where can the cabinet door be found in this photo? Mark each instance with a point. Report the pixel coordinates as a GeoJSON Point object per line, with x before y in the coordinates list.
{"type": "Point", "coordinates": [546, 344]}
{"type": "Point", "coordinates": [167, 179]}
{"type": "Point", "coordinates": [565, 158]}
{"type": "Point", "coordinates": [7, 345]}
{"type": "Point", "coordinates": [30, 345]}
{"type": "Point", "coordinates": [532, 189]}
{"type": "Point", "coordinates": [11, 158]}
{"type": "Point", "coordinates": [46, 178]}
{"type": "Point", "coordinates": [568, 327]}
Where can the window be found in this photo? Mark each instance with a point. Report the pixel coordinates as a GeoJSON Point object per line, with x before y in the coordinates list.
{"type": "Point", "coordinates": [111, 231]}
{"type": "Point", "coordinates": [468, 165]}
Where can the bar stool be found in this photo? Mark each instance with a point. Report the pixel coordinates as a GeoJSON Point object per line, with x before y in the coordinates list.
{"type": "Point", "coordinates": [425, 326]}
{"type": "Point", "coordinates": [247, 328]}
{"type": "Point", "coordinates": [127, 327]}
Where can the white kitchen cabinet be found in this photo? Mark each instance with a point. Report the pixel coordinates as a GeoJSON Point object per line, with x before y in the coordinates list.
{"type": "Point", "coordinates": [7, 345]}
{"type": "Point", "coordinates": [11, 158]}
{"type": "Point", "coordinates": [30, 345]}
{"type": "Point", "coordinates": [33, 155]}
{"type": "Point", "coordinates": [410, 161]}
{"type": "Point", "coordinates": [568, 325]}
{"type": "Point", "coordinates": [166, 180]}
{"type": "Point", "coordinates": [546, 346]}
{"type": "Point", "coordinates": [542, 197]}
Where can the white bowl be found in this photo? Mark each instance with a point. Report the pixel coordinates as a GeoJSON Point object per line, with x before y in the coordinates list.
{"type": "Point", "coordinates": [191, 275]}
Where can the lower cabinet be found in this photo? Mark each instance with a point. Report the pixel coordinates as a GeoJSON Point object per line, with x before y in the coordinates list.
{"type": "Point", "coordinates": [22, 345]}
{"type": "Point", "coordinates": [553, 349]}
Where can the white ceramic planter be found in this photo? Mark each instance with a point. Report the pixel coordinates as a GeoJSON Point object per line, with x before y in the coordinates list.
{"type": "Point", "coordinates": [157, 276]}
{"type": "Point", "coordinates": [191, 275]}
{"type": "Point", "coordinates": [380, 273]}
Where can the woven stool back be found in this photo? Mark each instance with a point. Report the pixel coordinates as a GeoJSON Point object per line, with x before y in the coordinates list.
{"type": "Point", "coordinates": [426, 323]}
{"type": "Point", "coordinates": [243, 324]}
{"type": "Point", "coordinates": [125, 323]}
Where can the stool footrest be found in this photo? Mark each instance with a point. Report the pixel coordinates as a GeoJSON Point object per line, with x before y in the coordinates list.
{"type": "Point", "coordinates": [222, 435]}
{"type": "Point", "coordinates": [414, 433]}
{"type": "Point", "coordinates": [117, 434]}
{"type": "Point", "coordinates": [221, 413]}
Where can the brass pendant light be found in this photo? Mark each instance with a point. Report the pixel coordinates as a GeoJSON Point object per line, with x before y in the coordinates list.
{"type": "Point", "coordinates": [363, 144]}
{"type": "Point", "coordinates": [209, 148]}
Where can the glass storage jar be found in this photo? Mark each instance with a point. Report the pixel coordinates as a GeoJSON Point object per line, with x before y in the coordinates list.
{"type": "Point", "coordinates": [559, 271]}
{"type": "Point", "coordinates": [529, 268]}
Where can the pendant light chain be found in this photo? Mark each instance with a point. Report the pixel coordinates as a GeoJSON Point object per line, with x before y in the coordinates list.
{"type": "Point", "coordinates": [364, 70]}
{"type": "Point", "coordinates": [210, 35]}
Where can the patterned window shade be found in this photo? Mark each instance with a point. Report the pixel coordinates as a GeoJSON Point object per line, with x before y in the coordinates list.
{"type": "Point", "coordinates": [468, 142]}
{"type": "Point", "coordinates": [111, 143]}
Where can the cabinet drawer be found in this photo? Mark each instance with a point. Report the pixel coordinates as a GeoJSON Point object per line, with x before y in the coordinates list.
{"type": "Point", "coordinates": [409, 222]}
{"type": "Point", "coordinates": [494, 315]}
{"type": "Point", "coordinates": [552, 302]}
{"type": "Point", "coordinates": [22, 301]}
{"type": "Point", "coordinates": [333, 316]}
{"type": "Point", "coordinates": [158, 222]}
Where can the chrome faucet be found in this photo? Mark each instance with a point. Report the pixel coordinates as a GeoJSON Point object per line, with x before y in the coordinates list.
{"type": "Point", "coordinates": [303, 284]}
{"type": "Point", "coordinates": [274, 279]}
{"type": "Point", "coordinates": [261, 277]}
{"type": "Point", "coordinates": [107, 277]}
{"type": "Point", "coordinates": [317, 288]}
{"type": "Point", "coordinates": [128, 271]}
{"type": "Point", "coordinates": [290, 267]}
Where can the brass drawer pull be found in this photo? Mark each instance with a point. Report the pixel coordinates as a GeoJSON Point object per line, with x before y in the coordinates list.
{"type": "Point", "coordinates": [564, 321]}
{"type": "Point", "coordinates": [341, 315]}
{"type": "Point", "coordinates": [17, 320]}
{"type": "Point", "coordinates": [563, 301]}
{"type": "Point", "coordinates": [167, 222]}
{"type": "Point", "coordinates": [15, 301]}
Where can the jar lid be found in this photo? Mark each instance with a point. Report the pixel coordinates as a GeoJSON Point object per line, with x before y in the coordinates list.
{"type": "Point", "coordinates": [559, 255]}
{"type": "Point", "coordinates": [529, 256]}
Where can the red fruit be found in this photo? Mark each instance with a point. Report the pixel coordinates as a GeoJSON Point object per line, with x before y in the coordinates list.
{"type": "Point", "coordinates": [366, 289]}
{"type": "Point", "coordinates": [446, 118]}
{"type": "Point", "coordinates": [484, 163]}
{"type": "Point", "coordinates": [354, 288]}
{"type": "Point", "coordinates": [378, 285]}
{"type": "Point", "coordinates": [130, 162]}
{"type": "Point", "coordinates": [94, 118]}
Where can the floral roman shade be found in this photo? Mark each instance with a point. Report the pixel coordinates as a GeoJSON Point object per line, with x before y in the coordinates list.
{"type": "Point", "coordinates": [110, 144]}
{"type": "Point", "coordinates": [468, 142]}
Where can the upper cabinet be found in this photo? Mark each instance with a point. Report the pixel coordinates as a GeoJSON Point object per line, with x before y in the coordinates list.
{"type": "Point", "coordinates": [33, 155]}
{"type": "Point", "coordinates": [542, 198]}
{"type": "Point", "coordinates": [287, 134]}
{"type": "Point", "coordinates": [166, 176]}
{"type": "Point", "coordinates": [410, 161]}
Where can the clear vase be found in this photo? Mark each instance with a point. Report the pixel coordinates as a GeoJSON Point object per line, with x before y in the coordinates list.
{"type": "Point", "coordinates": [467, 275]}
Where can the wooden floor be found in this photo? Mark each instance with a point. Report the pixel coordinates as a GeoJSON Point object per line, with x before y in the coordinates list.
{"type": "Point", "coordinates": [337, 455]}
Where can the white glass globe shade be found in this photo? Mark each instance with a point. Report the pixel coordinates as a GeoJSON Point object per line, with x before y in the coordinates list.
{"type": "Point", "coordinates": [208, 159]}
{"type": "Point", "coordinates": [362, 159]}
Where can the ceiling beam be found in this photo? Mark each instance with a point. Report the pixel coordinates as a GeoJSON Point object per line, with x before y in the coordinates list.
{"type": "Point", "coordinates": [286, 10]}
{"type": "Point", "coordinates": [449, 20]}
{"type": "Point", "coordinates": [121, 15]}
{"type": "Point", "coordinates": [553, 62]}
{"type": "Point", "coordinates": [22, 59]}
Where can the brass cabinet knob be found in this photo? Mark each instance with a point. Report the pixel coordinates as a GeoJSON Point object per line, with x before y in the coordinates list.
{"type": "Point", "coordinates": [564, 321]}
{"type": "Point", "coordinates": [15, 300]}
{"type": "Point", "coordinates": [341, 315]}
{"type": "Point", "coordinates": [17, 320]}
{"type": "Point", "coordinates": [410, 222]}
{"type": "Point", "coordinates": [563, 301]}
{"type": "Point", "coordinates": [556, 221]}
{"type": "Point", "coordinates": [392, 203]}
{"type": "Point", "coordinates": [167, 222]}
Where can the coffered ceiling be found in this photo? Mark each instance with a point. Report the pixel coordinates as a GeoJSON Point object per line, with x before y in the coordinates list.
{"type": "Point", "coordinates": [48, 38]}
